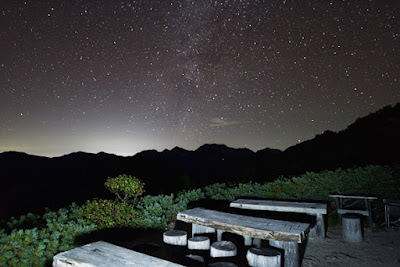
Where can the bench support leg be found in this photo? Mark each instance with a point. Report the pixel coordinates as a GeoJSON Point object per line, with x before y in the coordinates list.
{"type": "Point", "coordinates": [247, 240]}
{"type": "Point", "coordinates": [200, 229]}
{"type": "Point", "coordinates": [320, 226]}
{"type": "Point", "coordinates": [219, 235]}
{"type": "Point", "coordinates": [257, 242]}
{"type": "Point", "coordinates": [291, 252]}
{"type": "Point", "coordinates": [368, 206]}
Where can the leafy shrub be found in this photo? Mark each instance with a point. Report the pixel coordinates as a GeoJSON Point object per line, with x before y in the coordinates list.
{"type": "Point", "coordinates": [125, 187]}
{"type": "Point", "coordinates": [107, 213]}
{"type": "Point", "coordinates": [158, 211]}
{"type": "Point", "coordinates": [36, 246]}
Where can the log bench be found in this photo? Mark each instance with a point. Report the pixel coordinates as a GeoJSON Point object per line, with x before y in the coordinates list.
{"type": "Point", "coordinates": [103, 254]}
{"type": "Point", "coordinates": [289, 233]}
{"type": "Point", "coordinates": [314, 209]}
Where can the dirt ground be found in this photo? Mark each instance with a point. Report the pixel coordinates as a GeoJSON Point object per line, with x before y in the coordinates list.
{"type": "Point", "coordinates": [380, 248]}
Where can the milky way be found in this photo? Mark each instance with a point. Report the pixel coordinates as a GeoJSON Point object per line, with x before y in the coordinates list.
{"type": "Point", "coordinates": [122, 77]}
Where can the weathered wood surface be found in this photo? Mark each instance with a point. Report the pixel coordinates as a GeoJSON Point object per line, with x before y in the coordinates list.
{"type": "Point", "coordinates": [175, 237]}
{"type": "Point", "coordinates": [351, 228]}
{"type": "Point", "coordinates": [262, 228]}
{"type": "Point", "coordinates": [223, 249]}
{"type": "Point", "coordinates": [355, 197]}
{"type": "Point", "coordinates": [345, 211]}
{"type": "Point", "coordinates": [317, 209]}
{"type": "Point", "coordinates": [291, 252]}
{"type": "Point", "coordinates": [278, 205]}
{"type": "Point", "coordinates": [199, 243]}
{"type": "Point", "coordinates": [103, 254]}
{"type": "Point", "coordinates": [263, 257]}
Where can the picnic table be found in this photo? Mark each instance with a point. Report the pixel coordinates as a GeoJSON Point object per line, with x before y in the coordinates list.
{"type": "Point", "coordinates": [282, 234]}
{"type": "Point", "coordinates": [316, 209]}
{"type": "Point", "coordinates": [367, 211]}
{"type": "Point", "coordinates": [103, 254]}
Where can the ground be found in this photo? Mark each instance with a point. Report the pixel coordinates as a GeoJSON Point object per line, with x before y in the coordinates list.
{"type": "Point", "coordinates": [380, 248]}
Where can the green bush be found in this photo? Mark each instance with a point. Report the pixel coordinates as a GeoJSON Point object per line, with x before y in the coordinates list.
{"type": "Point", "coordinates": [125, 187]}
{"type": "Point", "coordinates": [158, 211]}
{"type": "Point", "coordinates": [56, 232]}
{"type": "Point", "coordinates": [107, 213]}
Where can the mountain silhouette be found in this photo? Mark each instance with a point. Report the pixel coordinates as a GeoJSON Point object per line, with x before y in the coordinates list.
{"type": "Point", "coordinates": [29, 183]}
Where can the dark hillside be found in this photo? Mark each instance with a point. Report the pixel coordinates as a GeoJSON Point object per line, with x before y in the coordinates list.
{"type": "Point", "coordinates": [28, 183]}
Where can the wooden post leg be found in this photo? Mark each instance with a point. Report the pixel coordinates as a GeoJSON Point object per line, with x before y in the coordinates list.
{"type": "Point", "coordinates": [387, 218]}
{"type": "Point", "coordinates": [320, 226]}
{"type": "Point", "coordinates": [247, 240]}
{"type": "Point", "coordinates": [339, 206]}
{"type": "Point", "coordinates": [219, 235]}
{"type": "Point", "coordinates": [291, 252]}
{"type": "Point", "coordinates": [257, 242]}
{"type": "Point", "coordinates": [200, 229]}
{"type": "Point", "coordinates": [368, 205]}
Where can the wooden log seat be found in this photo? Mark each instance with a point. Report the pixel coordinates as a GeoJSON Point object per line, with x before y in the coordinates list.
{"type": "Point", "coordinates": [263, 257]}
{"type": "Point", "coordinates": [351, 228]}
{"type": "Point", "coordinates": [223, 249]}
{"type": "Point", "coordinates": [175, 237]}
{"type": "Point", "coordinates": [199, 243]}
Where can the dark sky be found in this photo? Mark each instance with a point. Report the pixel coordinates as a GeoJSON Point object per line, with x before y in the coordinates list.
{"type": "Point", "coordinates": [126, 76]}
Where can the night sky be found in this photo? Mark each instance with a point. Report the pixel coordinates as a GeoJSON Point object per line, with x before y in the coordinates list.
{"type": "Point", "coordinates": [127, 76]}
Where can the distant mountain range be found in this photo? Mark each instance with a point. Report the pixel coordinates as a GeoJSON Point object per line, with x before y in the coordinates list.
{"type": "Point", "coordinates": [28, 183]}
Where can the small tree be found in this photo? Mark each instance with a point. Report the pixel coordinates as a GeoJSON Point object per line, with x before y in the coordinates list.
{"type": "Point", "coordinates": [125, 187]}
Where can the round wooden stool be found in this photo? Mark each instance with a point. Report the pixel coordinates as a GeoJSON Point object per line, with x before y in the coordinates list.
{"type": "Point", "coordinates": [352, 228]}
{"type": "Point", "coordinates": [175, 237]}
{"type": "Point", "coordinates": [263, 257]}
{"type": "Point", "coordinates": [199, 243]}
{"type": "Point", "coordinates": [223, 249]}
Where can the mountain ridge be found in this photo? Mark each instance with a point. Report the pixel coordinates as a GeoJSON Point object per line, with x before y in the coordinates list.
{"type": "Point", "coordinates": [30, 182]}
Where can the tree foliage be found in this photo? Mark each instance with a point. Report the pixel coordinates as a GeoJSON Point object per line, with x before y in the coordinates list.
{"type": "Point", "coordinates": [125, 187]}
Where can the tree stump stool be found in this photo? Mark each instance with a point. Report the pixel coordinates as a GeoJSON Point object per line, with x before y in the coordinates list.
{"type": "Point", "coordinates": [223, 249]}
{"type": "Point", "coordinates": [175, 237]}
{"type": "Point", "coordinates": [222, 264]}
{"type": "Point", "coordinates": [199, 243]}
{"type": "Point", "coordinates": [193, 260]}
{"type": "Point", "coordinates": [263, 257]}
{"type": "Point", "coordinates": [352, 228]}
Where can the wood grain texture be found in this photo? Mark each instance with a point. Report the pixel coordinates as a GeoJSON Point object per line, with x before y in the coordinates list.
{"type": "Point", "coordinates": [262, 228]}
{"type": "Point", "coordinates": [278, 205]}
{"type": "Point", "coordinates": [103, 254]}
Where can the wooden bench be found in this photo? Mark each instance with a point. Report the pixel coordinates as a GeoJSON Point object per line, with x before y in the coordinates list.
{"type": "Point", "coordinates": [103, 254]}
{"type": "Point", "coordinates": [366, 211]}
{"type": "Point", "coordinates": [283, 234]}
{"type": "Point", "coordinates": [316, 209]}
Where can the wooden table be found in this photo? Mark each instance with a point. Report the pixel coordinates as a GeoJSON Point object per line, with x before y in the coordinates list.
{"type": "Point", "coordinates": [316, 209]}
{"type": "Point", "coordinates": [282, 234]}
{"type": "Point", "coordinates": [103, 254]}
{"type": "Point", "coordinates": [366, 211]}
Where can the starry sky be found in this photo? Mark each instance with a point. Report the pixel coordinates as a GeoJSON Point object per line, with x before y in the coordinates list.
{"type": "Point", "coordinates": [126, 76]}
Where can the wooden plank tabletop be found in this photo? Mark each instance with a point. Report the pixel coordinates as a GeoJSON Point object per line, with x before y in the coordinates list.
{"type": "Point", "coordinates": [103, 254]}
{"type": "Point", "coordinates": [247, 226]}
{"type": "Point", "coordinates": [277, 205]}
{"type": "Point", "coordinates": [355, 197]}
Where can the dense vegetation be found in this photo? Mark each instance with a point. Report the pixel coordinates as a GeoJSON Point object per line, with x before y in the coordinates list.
{"type": "Point", "coordinates": [33, 240]}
